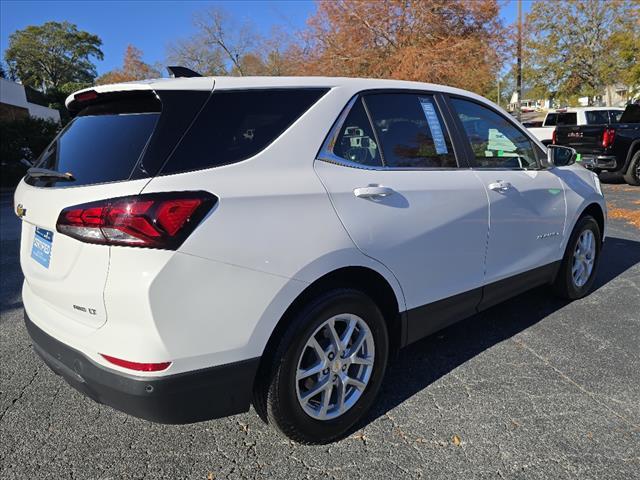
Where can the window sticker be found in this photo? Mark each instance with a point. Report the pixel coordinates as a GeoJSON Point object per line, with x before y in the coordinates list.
{"type": "Point", "coordinates": [497, 141]}
{"type": "Point", "coordinates": [434, 125]}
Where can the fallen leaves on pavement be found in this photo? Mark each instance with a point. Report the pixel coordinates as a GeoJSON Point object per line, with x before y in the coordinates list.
{"type": "Point", "coordinates": [631, 216]}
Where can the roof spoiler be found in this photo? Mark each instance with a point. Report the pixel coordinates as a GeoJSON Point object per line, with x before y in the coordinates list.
{"type": "Point", "coordinates": [182, 72]}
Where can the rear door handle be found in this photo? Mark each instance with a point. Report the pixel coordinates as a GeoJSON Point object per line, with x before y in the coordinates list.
{"type": "Point", "coordinates": [500, 186]}
{"type": "Point", "coordinates": [372, 191]}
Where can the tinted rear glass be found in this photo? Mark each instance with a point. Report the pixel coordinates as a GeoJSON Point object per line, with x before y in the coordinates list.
{"type": "Point", "coordinates": [550, 121]}
{"type": "Point", "coordinates": [615, 115]}
{"type": "Point", "coordinates": [236, 125]}
{"type": "Point", "coordinates": [568, 118]}
{"type": "Point", "coordinates": [102, 144]}
{"type": "Point", "coordinates": [99, 149]}
{"type": "Point", "coordinates": [597, 117]}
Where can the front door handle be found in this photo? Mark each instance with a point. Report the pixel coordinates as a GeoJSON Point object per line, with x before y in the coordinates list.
{"type": "Point", "coordinates": [372, 191]}
{"type": "Point", "coordinates": [500, 186]}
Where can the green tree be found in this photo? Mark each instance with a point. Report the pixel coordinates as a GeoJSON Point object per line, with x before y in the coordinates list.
{"type": "Point", "coordinates": [628, 45]}
{"type": "Point", "coordinates": [576, 48]}
{"type": "Point", "coordinates": [48, 56]}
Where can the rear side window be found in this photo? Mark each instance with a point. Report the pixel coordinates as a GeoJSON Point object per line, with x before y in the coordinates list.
{"type": "Point", "coordinates": [411, 131]}
{"type": "Point", "coordinates": [597, 117]}
{"type": "Point", "coordinates": [356, 141]}
{"type": "Point", "coordinates": [236, 125]}
{"type": "Point", "coordinates": [551, 120]}
{"type": "Point", "coordinates": [567, 118]}
{"type": "Point", "coordinates": [103, 143]}
{"type": "Point", "coordinates": [615, 115]}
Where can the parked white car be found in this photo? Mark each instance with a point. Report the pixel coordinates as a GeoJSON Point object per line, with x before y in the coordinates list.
{"type": "Point", "coordinates": [575, 116]}
{"type": "Point", "coordinates": [194, 245]}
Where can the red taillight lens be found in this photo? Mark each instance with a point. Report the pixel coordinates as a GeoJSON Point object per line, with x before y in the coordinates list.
{"type": "Point", "coordinates": [155, 220]}
{"type": "Point", "coordinates": [553, 136]}
{"type": "Point", "coordinates": [140, 367]}
{"type": "Point", "coordinates": [608, 136]}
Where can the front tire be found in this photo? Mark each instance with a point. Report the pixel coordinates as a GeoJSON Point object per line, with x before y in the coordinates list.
{"type": "Point", "coordinates": [328, 367]}
{"type": "Point", "coordinates": [577, 271]}
{"type": "Point", "coordinates": [632, 177]}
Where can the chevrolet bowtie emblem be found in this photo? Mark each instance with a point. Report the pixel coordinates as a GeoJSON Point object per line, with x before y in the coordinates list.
{"type": "Point", "coordinates": [21, 211]}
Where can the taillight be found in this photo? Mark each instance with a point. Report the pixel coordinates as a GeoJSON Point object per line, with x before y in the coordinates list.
{"type": "Point", "coordinates": [553, 137]}
{"type": "Point", "coordinates": [140, 367]}
{"type": "Point", "coordinates": [608, 136]}
{"type": "Point", "coordinates": [153, 220]}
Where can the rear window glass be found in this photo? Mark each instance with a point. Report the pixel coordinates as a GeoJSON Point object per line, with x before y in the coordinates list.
{"type": "Point", "coordinates": [102, 143]}
{"type": "Point", "coordinates": [615, 116]}
{"type": "Point", "coordinates": [550, 121]}
{"type": "Point", "coordinates": [597, 117]}
{"type": "Point", "coordinates": [236, 125]}
{"type": "Point", "coordinates": [568, 118]}
{"type": "Point", "coordinates": [100, 148]}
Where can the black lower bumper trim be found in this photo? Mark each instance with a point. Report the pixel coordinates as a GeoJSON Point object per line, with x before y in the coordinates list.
{"type": "Point", "coordinates": [180, 398]}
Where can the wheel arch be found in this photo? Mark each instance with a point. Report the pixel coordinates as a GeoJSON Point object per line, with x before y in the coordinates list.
{"type": "Point", "coordinates": [366, 279]}
{"type": "Point", "coordinates": [589, 207]}
{"type": "Point", "coordinates": [596, 211]}
{"type": "Point", "coordinates": [633, 149]}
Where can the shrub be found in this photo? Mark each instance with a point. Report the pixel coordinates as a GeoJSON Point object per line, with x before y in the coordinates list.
{"type": "Point", "coordinates": [22, 138]}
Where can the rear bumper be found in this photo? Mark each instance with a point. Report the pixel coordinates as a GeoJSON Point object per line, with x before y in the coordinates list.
{"type": "Point", "coordinates": [180, 398]}
{"type": "Point", "coordinates": [603, 162]}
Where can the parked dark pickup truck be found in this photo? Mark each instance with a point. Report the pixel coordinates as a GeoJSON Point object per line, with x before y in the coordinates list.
{"type": "Point", "coordinates": [614, 147]}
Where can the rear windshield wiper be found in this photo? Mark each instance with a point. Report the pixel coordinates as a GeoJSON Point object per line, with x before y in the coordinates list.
{"type": "Point", "coordinates": [50, 174]}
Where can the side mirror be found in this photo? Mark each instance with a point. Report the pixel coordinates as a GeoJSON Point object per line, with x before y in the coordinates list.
{"type": "Point", "coordinates": [561, 156]}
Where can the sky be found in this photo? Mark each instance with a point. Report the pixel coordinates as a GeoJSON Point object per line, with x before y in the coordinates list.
{"type": "Point", "coordinates": [152, 25]}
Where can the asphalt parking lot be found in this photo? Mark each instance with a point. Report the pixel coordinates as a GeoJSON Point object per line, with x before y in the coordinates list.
{"type": "Point", "coordinates": [533, 388]}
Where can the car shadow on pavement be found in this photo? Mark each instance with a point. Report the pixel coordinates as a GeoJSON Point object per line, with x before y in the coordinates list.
{"type": "Point", "coordinates": [424, 362]}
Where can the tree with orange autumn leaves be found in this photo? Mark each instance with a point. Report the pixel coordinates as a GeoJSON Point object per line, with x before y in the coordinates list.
{"type": "Point", "coordinates": [133, 68]}
{"type": "Point", "coordinates": [455, 42]}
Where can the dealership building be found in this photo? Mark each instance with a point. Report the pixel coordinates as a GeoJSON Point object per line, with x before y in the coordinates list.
{"type": "Point", "coordinates": [14, 104]}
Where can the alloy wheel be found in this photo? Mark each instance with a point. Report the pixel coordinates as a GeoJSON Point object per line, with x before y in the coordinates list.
{"type": "Point", "coordinates": [335, 366]}
{"type": "Point", "coordinates": [583, 258]}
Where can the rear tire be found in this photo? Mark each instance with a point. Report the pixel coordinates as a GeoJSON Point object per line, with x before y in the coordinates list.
{"type": "Point", "coordinates": [309, 344]}
{"type": "Point", "coordinates": [632, 177]}
{"type": "Point", "coordinates": [579, 265]}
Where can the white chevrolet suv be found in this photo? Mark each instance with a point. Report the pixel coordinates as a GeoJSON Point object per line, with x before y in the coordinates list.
{"type": "Point", "coordinates": [192, 246]}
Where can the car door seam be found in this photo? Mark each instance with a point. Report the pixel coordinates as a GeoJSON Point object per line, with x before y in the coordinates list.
{"type": "Point", "coordinates": [486, 246]}
{"type": "Point", "coordinates": [404, 299]}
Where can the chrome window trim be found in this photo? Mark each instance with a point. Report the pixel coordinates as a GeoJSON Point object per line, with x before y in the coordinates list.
{"type": "Point", "coordinates": [326, 151]}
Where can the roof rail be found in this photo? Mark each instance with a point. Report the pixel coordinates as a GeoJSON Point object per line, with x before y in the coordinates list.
{"type": "Point", "coordinates": [182, 72]}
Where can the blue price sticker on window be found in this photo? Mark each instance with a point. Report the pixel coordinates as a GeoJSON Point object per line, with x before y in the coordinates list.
{"type": "Point", "coordinates": [430, 114]}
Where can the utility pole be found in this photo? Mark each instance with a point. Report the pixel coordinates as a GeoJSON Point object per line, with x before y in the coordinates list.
{"type": "Point", "coordinates": [519, 63]}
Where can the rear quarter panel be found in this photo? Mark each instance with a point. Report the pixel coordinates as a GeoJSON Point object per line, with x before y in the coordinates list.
{"type": "Point", "coordinates": [273, 232]}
